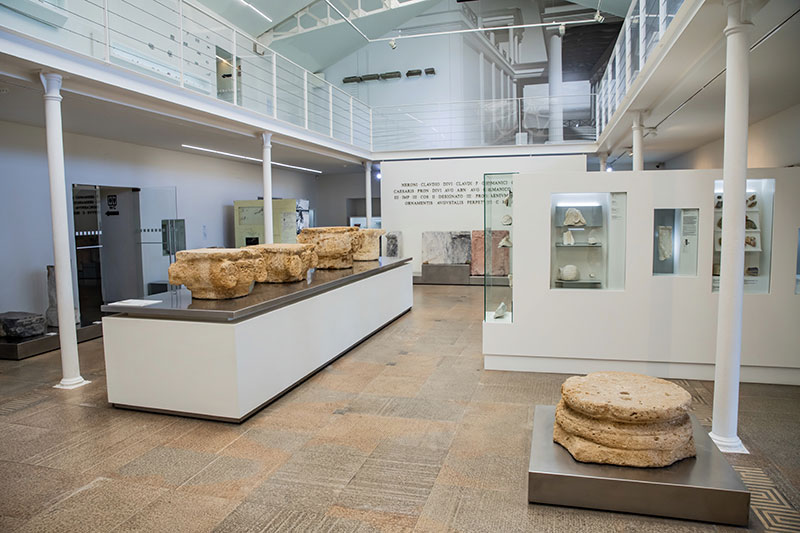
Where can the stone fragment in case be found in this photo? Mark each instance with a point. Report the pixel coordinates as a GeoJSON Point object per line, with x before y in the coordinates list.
{"type": "Point", "coordinates": [574, 217]}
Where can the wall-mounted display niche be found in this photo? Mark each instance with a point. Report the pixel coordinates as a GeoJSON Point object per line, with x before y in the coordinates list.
{"type": "Point", "coordinates": [498, 240]}
{"type": "Point", "coordinates": [758, 235]}
{"type": "Point", "coordinates": [675, 242]}
{"type": "Point", "coordinates": [588, 240]}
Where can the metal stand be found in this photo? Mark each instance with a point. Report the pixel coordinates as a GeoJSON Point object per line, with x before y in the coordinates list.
{"type": "Point", "coordinates": [703, 488]}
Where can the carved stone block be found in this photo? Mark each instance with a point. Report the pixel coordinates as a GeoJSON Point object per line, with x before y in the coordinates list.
{"type": "Point", "coordinates": [334, 245]}
{"type": "Point", "coordinates": [500, 256]}
{"type": "Point", "coordinates": [285, 263]}
{"type": "Point", "coordinates": [624, 419]}
{"type": "Point", "coordinates": [19, 324]}
{"type": "Point", "coordinates": [370, 248]}
{"type": "Point", "coordinates": [216, 273]}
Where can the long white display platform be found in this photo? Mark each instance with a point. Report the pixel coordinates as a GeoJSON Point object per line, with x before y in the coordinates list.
{"type": "Point", "coordinates": [236, 356]}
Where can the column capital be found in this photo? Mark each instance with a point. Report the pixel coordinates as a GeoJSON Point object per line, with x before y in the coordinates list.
{"type": "Point", "coordinates": [52, 85]}
{"type": "Point", "coordinates": [738, 17]}
{"type": "Point", "coordinates": [266, 139]}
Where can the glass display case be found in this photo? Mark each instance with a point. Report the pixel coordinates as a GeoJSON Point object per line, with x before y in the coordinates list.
{"type": "Point", "coordinates": [588, 240]}
{"type": "Point", "coordinates": [492, 249]}
{"type": "Point", "coordinates": [797, 271]}
{"type": "Point", "coordinates": [758, 235]}
{"type": "Point", "coordinates": [675, 242]}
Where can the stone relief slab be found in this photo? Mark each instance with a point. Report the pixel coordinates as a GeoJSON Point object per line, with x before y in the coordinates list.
{"type": "Point", "coordinates": [500, 256]}
{"type": "Point", "coordinates": [446, 247]}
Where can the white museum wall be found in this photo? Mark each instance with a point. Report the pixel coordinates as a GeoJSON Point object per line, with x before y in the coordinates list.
{"type": "Point", "coordinates": [336, 189]}
{"type": "Point", "coordinates": [206, 188]}
{"type": "Point", "coordinates": [412, 220]}
{"type": "Point", "coordinates": [659, 325]}
{"type": "Point", "coordinates": [771, 143]}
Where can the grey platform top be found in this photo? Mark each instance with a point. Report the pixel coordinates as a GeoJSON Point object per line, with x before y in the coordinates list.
{"type": "Point", "coordinates": [265, 297]}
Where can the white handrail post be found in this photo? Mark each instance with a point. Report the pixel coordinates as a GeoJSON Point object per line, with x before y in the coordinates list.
{"type": "Point", "coordinates": [107, 31]}
{"type": "Point", "coordinates": [274, 85]}
{"type": "Point", "coordinates": [351, 120]}
{"type": "Point", "coordinates": [642, 29]}
{"type": "Point", "coordinates": [234, 71]}
{"type": "Point", "coordinates": [662, 18]}
{"type": "Point", "coordinates": [330, 107]}
{"type": "Point", "coordinates": [370, 129]}
{"type": "Point", "coordinates": [305, 97]}
{"type": "Point", "coordinates": [180, 40]}
{"type": "Point", "coordinates": [266, 174]}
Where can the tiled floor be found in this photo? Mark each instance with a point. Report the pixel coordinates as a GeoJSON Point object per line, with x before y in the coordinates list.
{"type": "Point", "coordinates": [404, 433]}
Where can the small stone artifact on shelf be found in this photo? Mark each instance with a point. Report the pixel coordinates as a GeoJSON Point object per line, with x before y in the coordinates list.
{"type": "Point", "coordinates": [284, 263]}
{"type": "Point", "coordinates": [370, 247]}
{"type": "Point", "coordinates": [574, 217]}
{"type": "Point", "coordinates": [508, 199]}
{"type": "Point", "coordinates": [334, 245]}
{"type": "Point", "coordinates": [216, 273]}
{"type": "Point", "coordinates": [569, 273]}
{"type": "Point", "coordinates": [506, 220]}
{"type": "Point", "coordinates": [625, 419]}
{"type": "Point", "coordinates": [505, 242]}
{"type": "Point", "coordinates": [21, 324]}
{"type": "Point", "coordinates": [567, 239]}
{"type": "Point", "coordinates": [501, 310]}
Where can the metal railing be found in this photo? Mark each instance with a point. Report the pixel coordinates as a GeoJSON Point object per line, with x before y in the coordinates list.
{"type": "Point", "coordinates": [644, 26]}
{"type": "Point", "coordinates": [182, 43]}
{"type": "Point", "coordinates": [481, 123]}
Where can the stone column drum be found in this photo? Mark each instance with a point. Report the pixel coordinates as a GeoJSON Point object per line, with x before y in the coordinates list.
{"type": "Point", "coordinates": [285, 263]}
{"type": "Point", "coordinates": [625, 419]}
{"type": "Point", "coordinates": [334, 245]}
{"type": "Point", "coordinates": [216, 273]}
{"type": "Point", "coordinates": [370, 249]}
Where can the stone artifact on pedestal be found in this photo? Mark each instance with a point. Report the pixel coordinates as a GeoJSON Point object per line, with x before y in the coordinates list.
{"type": "Point", "coordinates": [334, 245]}
{"type": "Point", "coordinates": [626, 419]}
{"type": "Point", "coordinates": [446, 247]}
{"type": "Point", "coordinates": [51, 314]}
{"type": "Point", "coordinates": [284, 263]}
{"type": "Point", "coordinates": [19, 324]}
{"type": "Point", "coordinates": [216, 273]}
{"type": "Point", "coordinates": [370, 248]}
{"type": "Point", "coordinates": [500, 256]}
{"type": "Point", "coordinates": [393, 244]}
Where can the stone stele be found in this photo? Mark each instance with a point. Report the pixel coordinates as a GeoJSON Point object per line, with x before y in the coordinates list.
{"type": "Point", "coordinates": [334, 245]}
{"type": "Point", "coordinates": [370, 248]}
{"type": "Point", "coordinates": [21, 324]}
{"type": "Point", "coordinates": [625, 419]}
{"type": "Point", "coordinates": [285, 263]}
{"type": "Point", "coordinates": [217, 273]}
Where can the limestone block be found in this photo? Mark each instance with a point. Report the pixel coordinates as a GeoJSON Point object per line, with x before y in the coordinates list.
{"type": "Point", "coordinates": [370, 248]}
{"type": "Point", "coordinates": [19, 324]}
{"type": "Point", "coordinates": [500, 256]}
{"type": "Point", "coordinates": [334, 245]}
{"type": "Point", "coordinates": [285, 263]}
{"type": "Point", "coordinates": [625, 397]}
{"type": "Point", "coordinates": [216, 273]}
{"type": "Point", "coordinates": [51, 314]}
{"type": "Point", "coordinates": [586, 451]}
{"type": "Point", "coordinates": [625, 419]}
{"type": "Point", "coordinates": [446, 247]}
{"type": "Point", "coordinates": [393, 244]}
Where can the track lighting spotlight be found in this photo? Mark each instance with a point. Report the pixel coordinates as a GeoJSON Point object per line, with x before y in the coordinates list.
{"type": "Point", "coordinates": [598, 17]}
{"type": "Point", "coordinates": [393, 44]}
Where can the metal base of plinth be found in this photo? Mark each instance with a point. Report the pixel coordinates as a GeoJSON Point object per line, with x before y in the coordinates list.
{"type": "Point", "coordinates": [18, 349]}
{"type": "Point", "coordinates": [704, 488]}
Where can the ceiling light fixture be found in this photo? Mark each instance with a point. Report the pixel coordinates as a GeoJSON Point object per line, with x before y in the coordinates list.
{"type": "Point", "coordinates": [251, 6]}
{"type": "Point", "coordinates": [254, 159]}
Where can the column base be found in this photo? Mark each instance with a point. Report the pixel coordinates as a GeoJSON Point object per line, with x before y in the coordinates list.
{"type": "Point", "coordinates": [728, 445]}
{"type": "Point", "coordinates": [72, 383]}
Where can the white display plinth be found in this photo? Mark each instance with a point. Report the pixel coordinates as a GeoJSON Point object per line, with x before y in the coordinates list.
{"type": "Point", "coordinates": [229, 370]}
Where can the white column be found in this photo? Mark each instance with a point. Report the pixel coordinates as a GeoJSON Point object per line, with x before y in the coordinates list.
{"type": "Point", "coordinates": [731, 280]}
{"type": "Point", "coordinates": [266, 171]}
{"type": "Point", "coordinates": [555, 78]}
{"type": "Point", "coordinates": [511, 58]}
{"type": "Point", "coordinates": [603, 161]}
{"type": "Point", "coordinates": [368, 190]}
{"type": "Point", "coordinates": [638, 143]}
{"type": "Point", "coordinates": [70, 364]}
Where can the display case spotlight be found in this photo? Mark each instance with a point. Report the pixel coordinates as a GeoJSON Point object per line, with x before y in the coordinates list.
{"type": "Point", "coordinates": [413, 72]}
{"type": "Point", "coordinates": [430, 71]}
